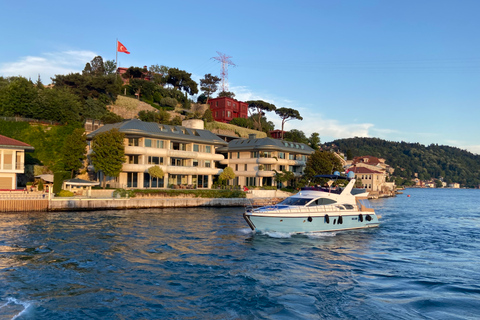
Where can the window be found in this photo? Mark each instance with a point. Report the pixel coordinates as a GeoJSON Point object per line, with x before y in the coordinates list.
{"type": "Point", "coordinates": [291, 157]}
{"type": "Point", "coordinates": [236, 167]}
{"type": "Point", "coordinates": [322, 202]}
{"type": "Point", "coordinates": [201, 181]}
{"type": "Point", "coordinates": [178, 162]}
{"type": "Point", "coordinates": [208, 149]}
{"type": "Point", "coordinates": [178, 146]}
{"type": "Point", "coordinates": [132, 178]}
{"type": "Point", "coordinates": [148, 143]}
{"type": "Point", "coordinates": [132, 159]}
{"type": "Point", "coordinates": [195, 147]}
{"type": "Point", "coordinates": [238, 155]}
{"type": "Point", "coordinates": [267, 167]}
{"type": "Point", "coordinates": [155, 160]}
{"type": "Point", "coordinates": [281, 155]}
{"type": "Point", "coordinates": [251, 181]}
{"type": "Point", "coordinates": [228, 103]}
{"type": "Point", "coordinates": [150, 182]}
{"type": "Point", "coordinates": [195, 163]}
{"type": "Point", "coordinates": [246, 167]}
{"type": "Point", "coordinates": [133, 142]}
{"type": "Point", "coordinates": [229, 114]}
{"type": "Point", "coordinates": [254, 154]}
{"type": "Point", "coordinates": [207, 163]}
{"type": "Point", "coordinates": [160, 144]}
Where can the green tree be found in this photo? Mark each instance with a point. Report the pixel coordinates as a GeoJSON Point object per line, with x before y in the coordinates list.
{"type": "Point", "coordinates": [108, 153]}
{"type": "Point", "coordinates": [97, 67]}
{"type": "Point", "coordinates": [160, 116]}
{"type": "Point", "coordinates": [287, 114]}
{"type": "Point", "coordinates": [16, 96]}
{"type": "Point", "coordinates": [314, 140]}
{"type": "Point", "coordinates": [158, 74]}
{"type": "Point", "coordinates": [321, 162]}
{"type": "Point", "coordinates": [156, 172]}
{"type": "Point", "coordinates": [74, 151]}
{"type": "Point", "coordinates": [202, 99]}
{"type": "Point", "coordinates": [227, 174]}
{"type": "Point", "coordinates": [57, 104]}
{"type": "Point", "coordinates": [182, 80]}
{"type": "Point", "coordinates": [176, 121]}
{"type": "Point", "coordinates": [110, 67]}
{"type": "Point", "coordinates": [227, 94]}
{"type": "Point", "coordinates": [283, 176]}
{"type": "Point", "coordinates": [260, 107]}
{"type": "Point", "coordinates": [88, 69]}
{"type": "Point", "coordinates": [209, 84]}
{"type": "Point", "coordinates": [295, 135]}
{"type": "Point", "coordinates": [135, 73]}
{"type": "Point", "coordinates": [208, 116]}
{"type": "Point", "coordinates": [111, 117]}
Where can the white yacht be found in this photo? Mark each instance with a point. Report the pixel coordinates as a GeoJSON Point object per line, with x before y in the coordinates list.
{"type": "Point", "coordinates": [316, 209]}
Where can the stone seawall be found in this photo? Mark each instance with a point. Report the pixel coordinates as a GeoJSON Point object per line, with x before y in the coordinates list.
{"type": "Point", "coordinates": [74, 204]}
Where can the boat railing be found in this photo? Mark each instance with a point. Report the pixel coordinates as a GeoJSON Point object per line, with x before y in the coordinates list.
{"type": "Point", "coordinates": [322, 208]}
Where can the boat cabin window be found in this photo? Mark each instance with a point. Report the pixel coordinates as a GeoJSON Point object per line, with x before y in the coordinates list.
{"type": "Point", "coordinates": [348, 206]}
{"type": "Point", "coordinates": [295, 201]}
{"type": "Point", "coordinates": [322, 202]}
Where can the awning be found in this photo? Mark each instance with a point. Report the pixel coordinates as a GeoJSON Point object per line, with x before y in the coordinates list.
{"type": "Point", "coordinates": [46, 177]}
{"type": "Point", "coordinates": [80, 182]}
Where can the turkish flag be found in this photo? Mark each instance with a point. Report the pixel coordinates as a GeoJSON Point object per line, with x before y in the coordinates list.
{"type": "Point", "coordinates": [121, 48]}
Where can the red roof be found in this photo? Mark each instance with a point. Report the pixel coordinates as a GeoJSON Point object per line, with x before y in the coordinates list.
{"type": "Point", "coordinates": [6, 141]}
{"type": "Point", "coordinates": [363, 170]}
{"type": "Point", "coordinates": [366, 159]}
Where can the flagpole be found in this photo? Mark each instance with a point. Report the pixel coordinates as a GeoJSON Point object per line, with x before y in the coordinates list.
{"type": "Point", "coordinates": [116, 55]}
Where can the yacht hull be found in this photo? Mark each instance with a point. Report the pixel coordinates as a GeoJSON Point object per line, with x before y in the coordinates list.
{"type": "Point", "coordinates": [264, 222]}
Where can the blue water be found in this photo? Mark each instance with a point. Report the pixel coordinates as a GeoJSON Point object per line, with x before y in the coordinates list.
{"type": "Point", "coordinates": [423, 262]}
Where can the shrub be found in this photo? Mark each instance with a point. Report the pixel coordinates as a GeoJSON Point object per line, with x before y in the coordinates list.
{"type": "Point", "coordinates": [124, 193]}
{"type": "Point", "coordinates": [64, 193]}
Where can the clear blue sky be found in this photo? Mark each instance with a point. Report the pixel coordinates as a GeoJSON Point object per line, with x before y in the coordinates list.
{"type": "Point", "coordinates": [404, 70]}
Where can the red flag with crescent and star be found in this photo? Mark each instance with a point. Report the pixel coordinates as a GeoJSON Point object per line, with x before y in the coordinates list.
{"type": "Point", "coordinates": [121, 48]}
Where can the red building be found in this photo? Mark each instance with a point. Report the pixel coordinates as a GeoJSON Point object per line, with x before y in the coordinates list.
{"type": "Point", "coordinates": [225, 109]}
{"type": "Point", "coordinates": [277, 134]}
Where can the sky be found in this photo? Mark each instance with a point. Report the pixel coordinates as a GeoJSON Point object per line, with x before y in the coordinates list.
{"type": "Point", "coordinates": [399, 70]}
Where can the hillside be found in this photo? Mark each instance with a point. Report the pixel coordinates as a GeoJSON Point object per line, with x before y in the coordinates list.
{"type": "Point", "coordinates": [433, 161]}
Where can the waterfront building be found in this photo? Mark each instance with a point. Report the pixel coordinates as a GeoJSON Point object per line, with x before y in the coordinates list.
{"type": "Point", "coordinates": [186, 154]}
{"type": "Point", "coordinates": [373, 181]}
{"type": "Point", "coordinates": [12, 161]}
{"type": "Point", "coordinates": [225, 109]}
{"type": "Point", "coordinates": [254, 161]}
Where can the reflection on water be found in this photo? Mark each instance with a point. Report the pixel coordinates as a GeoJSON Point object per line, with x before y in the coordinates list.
{"type": "Point", "coordinates": [205, 263]}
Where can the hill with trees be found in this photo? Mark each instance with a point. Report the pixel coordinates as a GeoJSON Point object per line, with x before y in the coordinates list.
{"type": "Point", "coordinates": [428, 162]}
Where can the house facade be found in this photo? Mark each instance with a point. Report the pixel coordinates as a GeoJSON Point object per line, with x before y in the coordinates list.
{"type": "Point", "coordinates": [225, 109]}
{"type": "Point", "coordinates": [12, 161]}
{"type": "Point", "coordinates": [254, 161]}
{"type": "Point", "coordinates": [370, 180]}
{"type": "Point", "coordinates": [187, 155]}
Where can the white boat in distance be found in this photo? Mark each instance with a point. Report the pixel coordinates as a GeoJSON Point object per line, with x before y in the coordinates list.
{"type": "Point", "coordinates": [316, 209]}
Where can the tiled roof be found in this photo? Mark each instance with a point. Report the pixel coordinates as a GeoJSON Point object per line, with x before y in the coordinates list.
{"type": "Point", "coordinates": [369, 159]}
{"type": "Point", "coordinates": [363, 170]}
{"type": "Point", "coordinates": [268, 143]}
{"type": "Point", "coordinates": [135, 127]}
{"type": "Point", "coordinates": [7, 142]}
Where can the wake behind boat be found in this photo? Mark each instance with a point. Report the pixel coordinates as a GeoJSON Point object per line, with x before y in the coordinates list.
{"type": "Point", "coordinates": [316, 209]}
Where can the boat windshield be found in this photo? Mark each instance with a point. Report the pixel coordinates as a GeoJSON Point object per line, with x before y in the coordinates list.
{"type": "Point", "coordinates": [293, 201]}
